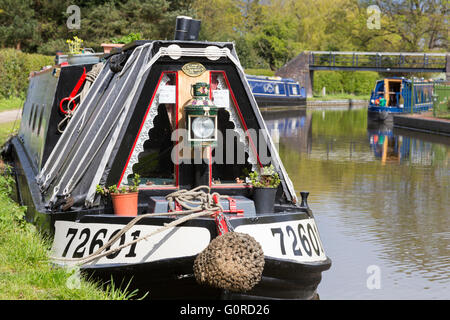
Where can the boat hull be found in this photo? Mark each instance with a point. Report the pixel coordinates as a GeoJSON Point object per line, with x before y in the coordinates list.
{"type": "Point", "coordinates": [382, 116]}
{"type": "Point", "coordinates": [267, 101]}
{"type": "Point", "coordinates": [169, 276]}
{"type": "Point", "coordinates": [174, 279]}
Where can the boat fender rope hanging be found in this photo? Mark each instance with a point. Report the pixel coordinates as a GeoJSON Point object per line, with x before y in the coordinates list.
{"type": "Point", "coordinates": [233, 261]}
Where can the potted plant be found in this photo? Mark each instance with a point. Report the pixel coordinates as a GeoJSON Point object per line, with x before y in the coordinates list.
{"type": "Point", "coordinates": [124, 199]}
{"type": "Point", "coordinates": [120, 42]}
{"type": "Point", "coordinates": [78, 54]}
{"type": "Point", "coordinates": [265, 184]}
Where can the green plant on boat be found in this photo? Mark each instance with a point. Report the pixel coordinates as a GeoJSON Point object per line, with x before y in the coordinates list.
{"type": "Point", "coordinates": [266, 178]}
{"type": "Point", "coordinates": [113, 189]}
{"type": "Point", "coordinates": [127, 39]}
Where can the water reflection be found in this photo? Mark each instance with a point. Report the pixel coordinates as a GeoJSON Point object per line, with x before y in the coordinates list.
{"type": "Point", "coordinates": [380, 196]}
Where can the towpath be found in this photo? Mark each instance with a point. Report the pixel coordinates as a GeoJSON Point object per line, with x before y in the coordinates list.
{"type": "Point", "coordinates": [10, 115]}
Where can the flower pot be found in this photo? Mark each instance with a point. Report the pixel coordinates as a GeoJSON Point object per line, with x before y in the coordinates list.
{"type": "Point", "coordinates": [85, 58]}
{"type": "Point", "coordinates": [107, 47]}
{"type": "Point", "coordinates": [125, 204]}
{"type": "Point", "coordinates": [264, 199]}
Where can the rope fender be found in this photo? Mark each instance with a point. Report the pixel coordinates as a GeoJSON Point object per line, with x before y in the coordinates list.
{"type": "Point", "coordinates": [233, 261]}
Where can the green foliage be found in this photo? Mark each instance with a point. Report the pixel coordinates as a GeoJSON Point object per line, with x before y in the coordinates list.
{"type": "Point", "coordinates": [124, 189]}
{"type": "Point", "coordinates": [11, 103]}
{"type": "Point", "coordinates": [267, 178]}
{"type": "Point", "coordinates": [18, 24]}
{"type": "Point", "coordinates": [127, 39]}
{"type": "Point", "coordinates": [15, 68]}
{"type": "Point", "coordinates": [358, 82]}
{"type": "Point", "coordinates": [267, 34]}
{"type": "Point", "coordinates": [260, 72]}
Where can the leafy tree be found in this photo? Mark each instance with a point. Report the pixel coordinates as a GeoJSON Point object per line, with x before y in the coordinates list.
{"type": "Point", "coordinates": [421, 24]}
{"type": "Point", "coordinates": [18, 24]}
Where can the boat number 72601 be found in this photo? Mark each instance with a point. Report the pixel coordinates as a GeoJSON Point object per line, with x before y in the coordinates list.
{"type": "Point", "coordinates": [98, 240]}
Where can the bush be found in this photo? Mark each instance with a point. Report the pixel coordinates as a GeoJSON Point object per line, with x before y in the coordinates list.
{"type": "Point", "coordinates": [260, 72]}
{"type": "Point", "coordinates": [357, 82]}
{"type": "Point", "coordinates": [15, 67]}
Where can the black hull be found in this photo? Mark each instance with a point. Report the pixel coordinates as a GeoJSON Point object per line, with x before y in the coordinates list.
{"type": "Point", "coordinates": [174, 279]}
{"type": "Point", "coordinates": [380, 116]}
{"type": "Point", "coordinates": [267, 102]}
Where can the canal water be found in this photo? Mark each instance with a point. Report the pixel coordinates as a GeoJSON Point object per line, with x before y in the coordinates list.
{"type": "Point", "coordinates": [380, 197]}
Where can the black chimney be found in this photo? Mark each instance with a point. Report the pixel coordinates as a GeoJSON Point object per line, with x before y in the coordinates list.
{"type": "Point", "coordinates": [187, 28]}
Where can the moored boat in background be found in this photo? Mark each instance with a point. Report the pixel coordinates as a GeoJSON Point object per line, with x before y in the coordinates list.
{"type": "Point", "coordinates": [276, 91]}
{"type": "Point", "coordinates": [399, 96]}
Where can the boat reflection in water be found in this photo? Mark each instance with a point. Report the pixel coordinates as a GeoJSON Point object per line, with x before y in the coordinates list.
{"type": "Point", "coordinates": [384, 144]}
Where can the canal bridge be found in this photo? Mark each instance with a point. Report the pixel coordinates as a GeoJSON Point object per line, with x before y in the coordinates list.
{"type": "Point", "coordinates": [302, 67]}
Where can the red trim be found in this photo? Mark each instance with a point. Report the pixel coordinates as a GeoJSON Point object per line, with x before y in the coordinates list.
{"type": "Point", "coordinates": [240, 115]}
{"type": "Point", "coordinates": [159, 188]}
{"type": "Point", "coordinates": [73, 94]}
{"type": "Point", "coordinates": [177, 166]}
{"type": "Point", "coordinates": [140, 128]}
{"type": "Point", "coordinates": [230, 186]}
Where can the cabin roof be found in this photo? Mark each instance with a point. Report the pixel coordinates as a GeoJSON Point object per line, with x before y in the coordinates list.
{"type": "Point", "coordinates": [99, 131]}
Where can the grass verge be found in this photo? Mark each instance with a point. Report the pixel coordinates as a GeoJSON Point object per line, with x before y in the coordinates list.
{"type": "Point", "coordinates": [11, 103]}
{"type": "Point", "coordinates": [25, 270]}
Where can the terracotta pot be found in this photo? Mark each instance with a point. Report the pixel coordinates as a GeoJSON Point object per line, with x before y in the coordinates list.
{"type": "Point", "coordinates": [125, 204]}
{"type": "Point", "coordinates": [107, 47]}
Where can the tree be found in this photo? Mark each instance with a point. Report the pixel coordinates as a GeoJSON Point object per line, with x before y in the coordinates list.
{"type": "Point", "coordinates": [422, 24]}
{"type": "Point", "coordinates": [18, 25]}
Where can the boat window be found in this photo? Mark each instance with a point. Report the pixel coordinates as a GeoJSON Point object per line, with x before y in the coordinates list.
{"type": "Point", "coordinates": [31, 115]}
{"type": "Point", "coordinates": [154, 164]}
{"type": "Point", "coordinates": [40, 119]}
{"type": "Point", "coordinates": [294, 90]}
{"type": "Point", "coordinates": [232, 137]}
{"type": "Point", "coordinates": [277, 89]}
{"type": "Point", "coordinates": [34, 117]}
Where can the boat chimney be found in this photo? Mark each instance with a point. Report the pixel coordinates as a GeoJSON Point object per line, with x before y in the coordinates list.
{"type": "Point", "coordinates": [304, 195]}
{"type": "Point", "coordinates": [187, 28]}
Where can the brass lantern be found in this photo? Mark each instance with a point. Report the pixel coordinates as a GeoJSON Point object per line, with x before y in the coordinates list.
{"type": "Point", "coordinates": [201, 116]}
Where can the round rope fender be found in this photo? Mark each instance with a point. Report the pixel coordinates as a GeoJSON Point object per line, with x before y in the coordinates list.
{"type": "Point", "coordinates": [233, 261]}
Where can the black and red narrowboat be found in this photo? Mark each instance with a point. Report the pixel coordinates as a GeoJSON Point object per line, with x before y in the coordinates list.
{"type": "Point", "coordinates": [137, 111]}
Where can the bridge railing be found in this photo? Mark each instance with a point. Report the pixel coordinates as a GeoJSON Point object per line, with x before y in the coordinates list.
{"type": "Point", "coordinates": [395, 60]}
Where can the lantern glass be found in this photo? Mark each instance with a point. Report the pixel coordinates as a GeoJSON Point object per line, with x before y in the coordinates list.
{"type": "Point", "coordinates": [203, 127]}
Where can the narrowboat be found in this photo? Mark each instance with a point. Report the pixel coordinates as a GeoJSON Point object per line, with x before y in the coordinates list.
{"type": "Point", "coordinates": [276, 91]}
{"type": "Point", "coordinates": [398, 95]}
{"type": "Point", "coordinates": [182, 116]}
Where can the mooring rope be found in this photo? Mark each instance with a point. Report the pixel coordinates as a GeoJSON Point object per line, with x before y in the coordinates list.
{"type": "Point", "coordinates": [208, 204]}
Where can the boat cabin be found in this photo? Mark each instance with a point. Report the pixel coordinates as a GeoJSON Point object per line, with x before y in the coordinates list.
{"type": "Point", "coordinates": [276, 91]}
{"type": "Point", "coordinates": [399, 95]}
{"type": "Point", "coordinates": [179, 114]}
